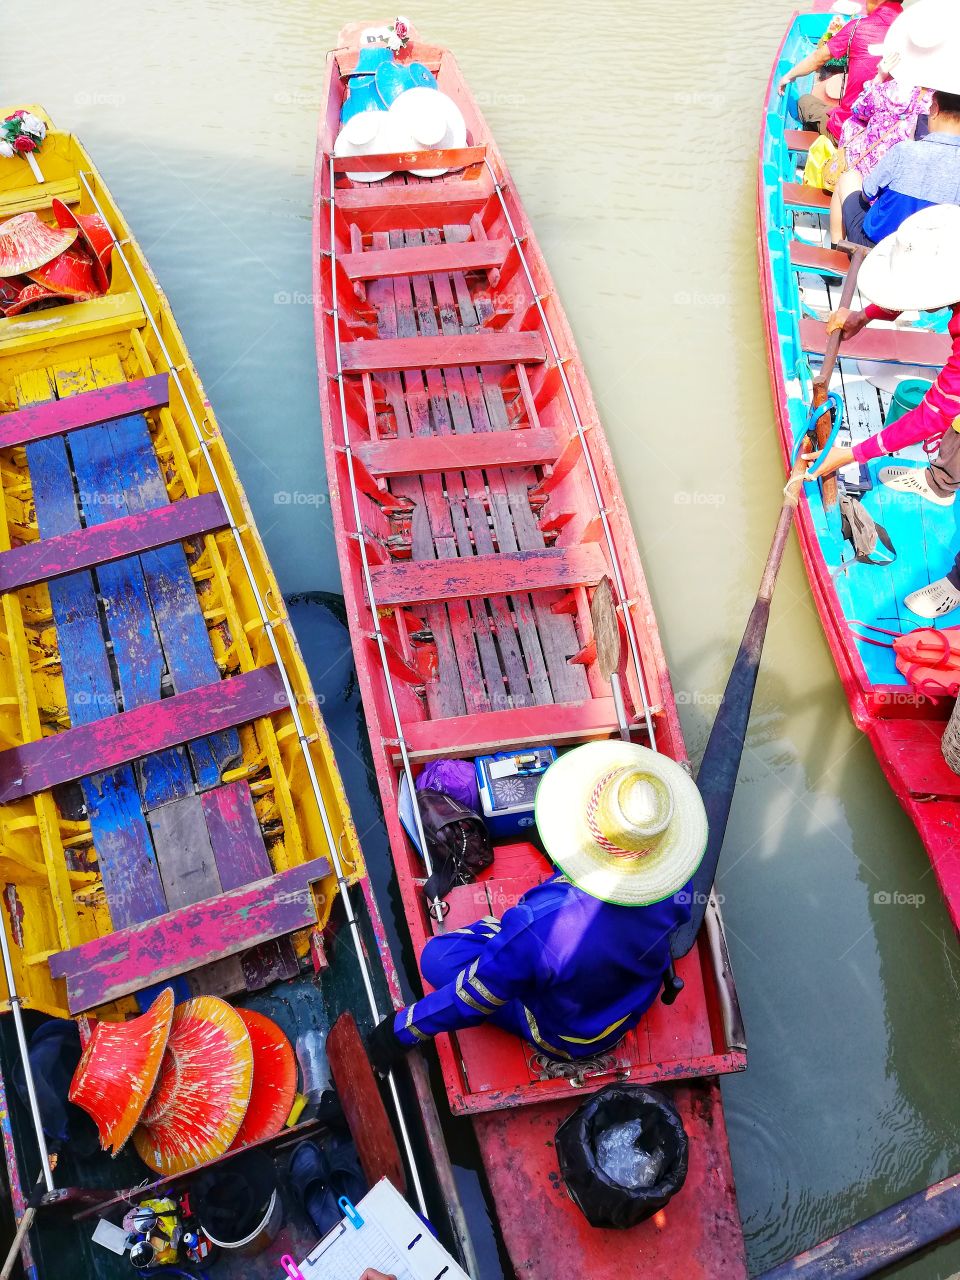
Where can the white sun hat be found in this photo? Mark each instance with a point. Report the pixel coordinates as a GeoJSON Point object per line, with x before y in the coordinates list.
{"type": "Point", "coordinates": [918, 267]}
{"type": "Point", "coordinates": [624, 823]}
{"type": "Point", "coordinates": [922, 47]}
{"type": "Point", "coordinates": [367, 134]}
{"type": "Point", "coordinates": [431, 121]}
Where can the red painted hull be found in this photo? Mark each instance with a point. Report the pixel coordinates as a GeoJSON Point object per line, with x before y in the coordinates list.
{"type": "Point", "coordinates": [488, 643]}
{"type": "Point", "coordinates": [904, 731]}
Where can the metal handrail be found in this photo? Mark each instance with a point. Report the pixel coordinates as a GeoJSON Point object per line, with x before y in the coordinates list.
{"type": "Point", "coordinates": [302, 738]}
{"type": "Point", "coordinates": [591, 469]}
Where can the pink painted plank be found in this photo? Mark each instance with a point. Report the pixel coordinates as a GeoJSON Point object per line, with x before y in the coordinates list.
{"type": "Point", "coordinates": [54, 417]}
{"type": "Point", "coordinates": [417, 455]}
{"type": "Point", "coordinates": [104, 744]}
{"type": "Point", "coordinates": [517, 727]}
{"type": "Point", "coordinates": [115, 540]}
{"type": "Point", "coordinates": [469, 255]}
{"type": "Point", "coordinates": [199, 934]}
{"type": "Point", "coordinates": [898, 346]}
{"type": "Point", "coordinates": [382, 355]}
{"type": "Point", "coordinates": [235, 835]}
{"type": "Point", "coordinates": [500, 574]}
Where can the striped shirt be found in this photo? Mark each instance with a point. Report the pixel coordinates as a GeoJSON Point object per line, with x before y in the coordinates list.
{"type": "Point", "coordinates": [910, 177]}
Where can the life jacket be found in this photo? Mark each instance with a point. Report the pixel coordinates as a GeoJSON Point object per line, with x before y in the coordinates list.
{"type": "Point", "coordinates": [930, 660]}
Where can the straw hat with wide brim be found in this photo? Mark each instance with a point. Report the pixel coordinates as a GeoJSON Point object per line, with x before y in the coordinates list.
{"type": "Point", "coordinates": [119, 1069]}
{"type": "Point", "coordinates": [202, 1091]}
{"type": "Point", "coordinates": [918, 267]}
{"type": "Point", "coordinates": [431, 121]}
{"type": "Point", "coordinates": [94, 233]}
{"type": "Point", "coordinates": [624, 823]}
{"type": "Point", "coordinates": [26, 242]}
{"type": "Point", "coordinates": [923, 46]}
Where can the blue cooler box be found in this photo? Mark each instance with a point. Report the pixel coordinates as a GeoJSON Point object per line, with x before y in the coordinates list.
{"type": "Point", "coordinates": [508, 783]}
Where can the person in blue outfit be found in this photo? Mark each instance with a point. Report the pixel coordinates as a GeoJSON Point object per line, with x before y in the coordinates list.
{"type": "Point", "coordinates": [580, 958]}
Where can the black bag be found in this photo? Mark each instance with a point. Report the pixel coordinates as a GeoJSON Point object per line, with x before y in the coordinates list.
{"type": "Point", "coordinates": [604, 1201]}
{"type": "Point", "coordinates": [458, 842]}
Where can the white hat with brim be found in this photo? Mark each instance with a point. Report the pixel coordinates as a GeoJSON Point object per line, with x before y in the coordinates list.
{"type": "Point", "coordinates": [370, 133]}
{"type": "Point", "coordinates": [623, 823]}
{"type": "Point", "coordinates": [918, 267]}
{"type": "Point", "coordinates": [431, 120]}
{"type": "Point", "coordinates": [922, 47]}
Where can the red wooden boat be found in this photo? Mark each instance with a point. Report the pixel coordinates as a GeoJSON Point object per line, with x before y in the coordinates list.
{"type": "Point", "coordinates": [476, 507]}
{"type": "Point", "coordinates": [801, 279]}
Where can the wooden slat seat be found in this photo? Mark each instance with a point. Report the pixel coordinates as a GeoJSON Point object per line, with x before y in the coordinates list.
{"type": "Point", "coordinates": [800, 139]}
{"type": "Point", "coordinates": [55, 417]}
{"type": "Point", "coordinates": [124, 962]}
{"type": "Point", "coordinates": [118, 739]}
{"type": "Point", "coordinates": [813, 257]}
{"type": "Point", "coordinates": [74, 322]}
{"type": "Point", "coordinates": [387, 355]}
{"type": "Point", "coordinates": [115, 540]}
{"type": "Point", "coordinates": [800, 196]}
{"type": "Point", "coordinates": [450, 158]}
{"type": "Point", "coordinates": [418, 455]}
{"type": "Point", "coordinates": [468, 255]}
{"type": "Point", "coordinates": [452, 201]}
{"type": "Point", "coordinates": [517, 727]}
{"type": "Point", "coordinates": [896, 346]}
{"type": "Point", "coordinates": [467, 577]}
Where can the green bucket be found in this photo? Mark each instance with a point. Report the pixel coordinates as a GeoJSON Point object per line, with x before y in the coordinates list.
{"type": "Point", "coordinates": [906, 397]}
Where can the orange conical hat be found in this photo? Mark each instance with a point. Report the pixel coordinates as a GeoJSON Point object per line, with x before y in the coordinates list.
{"type": "Point", "coordinates": [26, 243]}
{"type": "Point", "coordinates": [95, 234]}
{"type": "Point", "coordinates": [202, 1091]}
{"type": "Point", "coordinates": [118, 1070]}
{"type": "Point", "coordinates": [274, 1079]}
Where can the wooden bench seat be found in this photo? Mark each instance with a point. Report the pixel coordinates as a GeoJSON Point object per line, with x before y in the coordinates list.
{"type": "Point", "coordinates": [118, 739]}
{"type": "Point", "coordinates": [115, 540]}
{"type": "Point", "coordinates": [56, 417]}
{"type": "Point", "coordinates": [799, 196]}
{"type": "Point", "coordinates": [199, 934]}
{"type": "Point", "coordinates": [467, 577]}
{"type": "Point", "coordinates": [445, 202]}
{"type": "Point", "coordinates": [800, 139]}
{"type": "Point", "coordinates": [76, 321]}
{"type": "Point", "coordinates": [449, 158]}
{"type": "Point", "coordinates": [520, 727]}
{"type": "Point", "coordinates": [468, 255]}
{"type": "Point", "coordinates": [813, 257]}
{"type": "Point", "coordinates": [388, 355]}
{"type": "Point", "coordinates": [419, 455]}
{"type": "Point", "coordinates": [895, 346]}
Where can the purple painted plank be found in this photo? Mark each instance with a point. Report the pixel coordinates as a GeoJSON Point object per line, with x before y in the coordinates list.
{"type": "Point", "coordinates": [125, 961]}
{"type": "Point", "coordinates": [54, 417]}
{"type": "Point", "coordinates": [235, 835]}
{"type": "Point", "coordinates": [115, 540]}
{"type": "Point", "coordinates": [104, 744]}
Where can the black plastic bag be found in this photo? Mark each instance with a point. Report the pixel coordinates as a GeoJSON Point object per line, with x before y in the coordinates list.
{"type": "Point", "coordinates": [457, 839]}
{"type": "Point", "coordinates": [604, 1201]}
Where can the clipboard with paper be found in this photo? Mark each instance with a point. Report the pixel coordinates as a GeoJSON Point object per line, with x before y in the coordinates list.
{"type": "Point", "coordinates": [382, 1231]}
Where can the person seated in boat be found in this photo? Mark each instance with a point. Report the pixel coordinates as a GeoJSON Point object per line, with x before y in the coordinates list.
{"type": "Point", "coordinates": [916, 269]}
{"type": "Point", "coordinates": [912, 175]}
{"type": "Point", "coordinates": [853, 43]}
{"type": "Point", "coordinates": [885, 114]}
{"type": "Point", "coordinates": [578, 961]}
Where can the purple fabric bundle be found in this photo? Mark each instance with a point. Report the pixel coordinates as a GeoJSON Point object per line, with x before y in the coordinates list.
{"type": "Point", "coordinates": [456, 778]}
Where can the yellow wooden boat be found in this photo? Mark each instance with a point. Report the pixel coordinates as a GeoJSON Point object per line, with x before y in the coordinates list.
{"type": "Point", "coordinates": [57, 882]}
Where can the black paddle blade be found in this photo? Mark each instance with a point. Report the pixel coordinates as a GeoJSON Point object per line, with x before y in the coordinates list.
{"type": "Point", "coordinates": [717, 778]}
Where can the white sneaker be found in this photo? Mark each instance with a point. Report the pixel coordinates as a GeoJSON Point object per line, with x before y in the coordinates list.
{"type": "Point", "coordinates": [913, 480]}
{"type": "Point", "coordinates": [939, 598]}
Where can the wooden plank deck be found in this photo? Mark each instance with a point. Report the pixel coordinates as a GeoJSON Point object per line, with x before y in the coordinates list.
{"type": "Point", "coordinates": [501, 573]}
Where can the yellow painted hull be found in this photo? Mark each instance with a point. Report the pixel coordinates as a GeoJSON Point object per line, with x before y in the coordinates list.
{"type": "Point", "coordinates": [53, 893]}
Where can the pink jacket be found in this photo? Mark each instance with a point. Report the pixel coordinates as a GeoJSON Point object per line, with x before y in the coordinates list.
{"type": "Point", "coordinates": [936, 412]}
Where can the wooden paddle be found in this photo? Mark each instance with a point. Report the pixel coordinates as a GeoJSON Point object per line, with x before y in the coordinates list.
{"type": "Point", "coordinates": [717, 778]}
{"type": "Point", "coordinates": [362, 1104]}
{"type": "Point", "coordinates": [606, 635]}
{"type": "Point", "coordinates": [881, 1241]}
